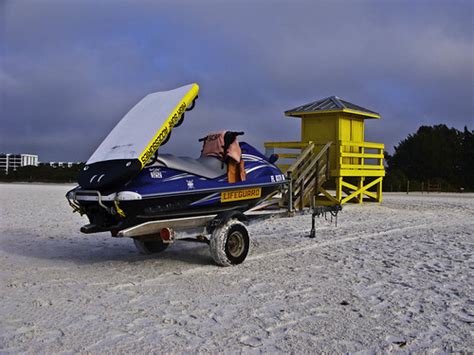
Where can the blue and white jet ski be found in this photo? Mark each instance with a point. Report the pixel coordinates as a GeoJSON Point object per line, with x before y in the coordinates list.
{"type": "Point", "coordinates": [126, 182]}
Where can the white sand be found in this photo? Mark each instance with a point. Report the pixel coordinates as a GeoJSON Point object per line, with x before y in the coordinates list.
{"type": "Point", "coordinates": [396, 276]}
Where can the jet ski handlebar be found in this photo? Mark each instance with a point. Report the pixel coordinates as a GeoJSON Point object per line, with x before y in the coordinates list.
{"type": "Point", "coordinates": [229, 136]}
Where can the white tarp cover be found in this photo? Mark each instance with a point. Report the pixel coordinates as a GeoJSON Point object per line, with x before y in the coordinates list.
{"type": "Point", "coordinates": [131, 136]}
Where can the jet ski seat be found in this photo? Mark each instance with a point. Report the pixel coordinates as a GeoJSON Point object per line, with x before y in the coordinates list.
{"type": "Point", "coordinates": [208, 167]}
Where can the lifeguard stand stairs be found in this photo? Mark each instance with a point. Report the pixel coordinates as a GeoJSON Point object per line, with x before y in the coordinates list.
{"type": "Point", "coordinates": [335, 128]}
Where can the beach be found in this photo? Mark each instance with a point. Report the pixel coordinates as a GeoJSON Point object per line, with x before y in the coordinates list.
{"type": "Point", "coordinates": [395, 276]}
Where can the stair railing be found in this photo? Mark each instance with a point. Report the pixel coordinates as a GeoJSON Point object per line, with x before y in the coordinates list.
{"type": "Point", "coordinates": [305, 176]}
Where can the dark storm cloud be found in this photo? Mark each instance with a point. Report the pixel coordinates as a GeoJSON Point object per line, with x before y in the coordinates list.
{"type": "Point", "coordinates": [70, 70]}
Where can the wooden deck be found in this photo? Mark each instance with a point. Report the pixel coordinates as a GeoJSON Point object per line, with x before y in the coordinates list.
{"type": "Point", "coordinates": [356, 169]}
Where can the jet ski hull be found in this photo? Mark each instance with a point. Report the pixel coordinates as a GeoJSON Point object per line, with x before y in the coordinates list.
{"type": "Point", "coordinates": [159, 192]}
{"type": "Point", "coordinates": [141, 210]}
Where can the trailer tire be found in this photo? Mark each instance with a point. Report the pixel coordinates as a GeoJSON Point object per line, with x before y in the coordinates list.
{"type": "Point", "coordinates": [148, 247]}
{"type": "Point", "coordinates": [230, 243]}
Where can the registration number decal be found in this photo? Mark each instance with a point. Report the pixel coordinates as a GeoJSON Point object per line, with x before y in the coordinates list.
{"type": "Point", "coordinates": [238, 195]}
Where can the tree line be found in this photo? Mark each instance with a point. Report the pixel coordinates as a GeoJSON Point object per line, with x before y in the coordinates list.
{"type": "Point", "coordinates": [43, 173]}
{"type": "Point", "coordinates": [435, 155]}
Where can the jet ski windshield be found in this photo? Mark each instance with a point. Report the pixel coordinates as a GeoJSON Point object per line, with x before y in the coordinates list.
{"type": "Point", "coordinates": [208, 167]}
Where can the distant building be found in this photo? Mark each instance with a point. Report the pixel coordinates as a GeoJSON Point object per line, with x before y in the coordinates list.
{"type": "Point", "coordinates": [10, 162]}
{"type": "Point", "coordinates": [60, 164]}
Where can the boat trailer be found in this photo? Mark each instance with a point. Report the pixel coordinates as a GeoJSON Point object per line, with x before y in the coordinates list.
{"type": "Point", "coordinates": [226, 233]}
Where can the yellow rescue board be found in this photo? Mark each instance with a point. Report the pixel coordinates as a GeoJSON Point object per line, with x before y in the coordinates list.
{"type": "Point", "coordinates": [168, 125]}
{"type": "Point", "coordinates": [238, 195]}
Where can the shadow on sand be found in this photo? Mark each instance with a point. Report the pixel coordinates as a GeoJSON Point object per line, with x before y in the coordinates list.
{"type": "Point", "coordinates": [99, 248]}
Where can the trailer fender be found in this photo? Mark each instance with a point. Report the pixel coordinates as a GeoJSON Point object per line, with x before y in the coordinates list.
{"type": "Point", "coordinates": [224, 217]}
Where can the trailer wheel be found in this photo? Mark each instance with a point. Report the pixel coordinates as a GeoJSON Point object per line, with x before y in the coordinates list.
{"type": "Point", "coordinates": [230, 243]}
{"type": "Point", "coordinates": [149, 246]}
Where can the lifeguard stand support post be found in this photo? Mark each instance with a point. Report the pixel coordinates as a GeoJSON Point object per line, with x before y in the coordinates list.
{"type": "Point", "coordinates": [356, 166]}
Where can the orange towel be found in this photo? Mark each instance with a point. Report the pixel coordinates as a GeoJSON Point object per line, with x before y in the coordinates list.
{"type": "Point", "coordinates": [214, 146]}
{"type": "Point", "coordinates": [235, 171]}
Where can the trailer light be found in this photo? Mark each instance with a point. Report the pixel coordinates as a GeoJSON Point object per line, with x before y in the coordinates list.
{"type": "Point", "coordinates": [166, 234]}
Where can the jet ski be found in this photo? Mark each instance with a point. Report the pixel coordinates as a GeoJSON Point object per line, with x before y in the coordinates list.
{"type": "Point", "coordinates": [128, 182]}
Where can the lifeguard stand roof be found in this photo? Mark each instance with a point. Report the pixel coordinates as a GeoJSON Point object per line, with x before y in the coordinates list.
{"type": "Point", "coordinates": [328, 105]}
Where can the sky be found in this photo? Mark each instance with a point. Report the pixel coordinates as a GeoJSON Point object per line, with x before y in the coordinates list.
{"type": "Point", "coordinates": [70, 69]}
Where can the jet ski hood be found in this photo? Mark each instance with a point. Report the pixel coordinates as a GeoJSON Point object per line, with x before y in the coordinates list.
{"type": "Point", "coordinates": [136, 138]}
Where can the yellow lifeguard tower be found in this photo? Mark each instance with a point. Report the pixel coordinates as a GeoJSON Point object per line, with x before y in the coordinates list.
{"type": "Point", "coordinates": [354, 167]}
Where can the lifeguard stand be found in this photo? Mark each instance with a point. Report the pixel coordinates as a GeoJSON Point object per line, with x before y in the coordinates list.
{"type": "Point", "coordinates": [356, 167]}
